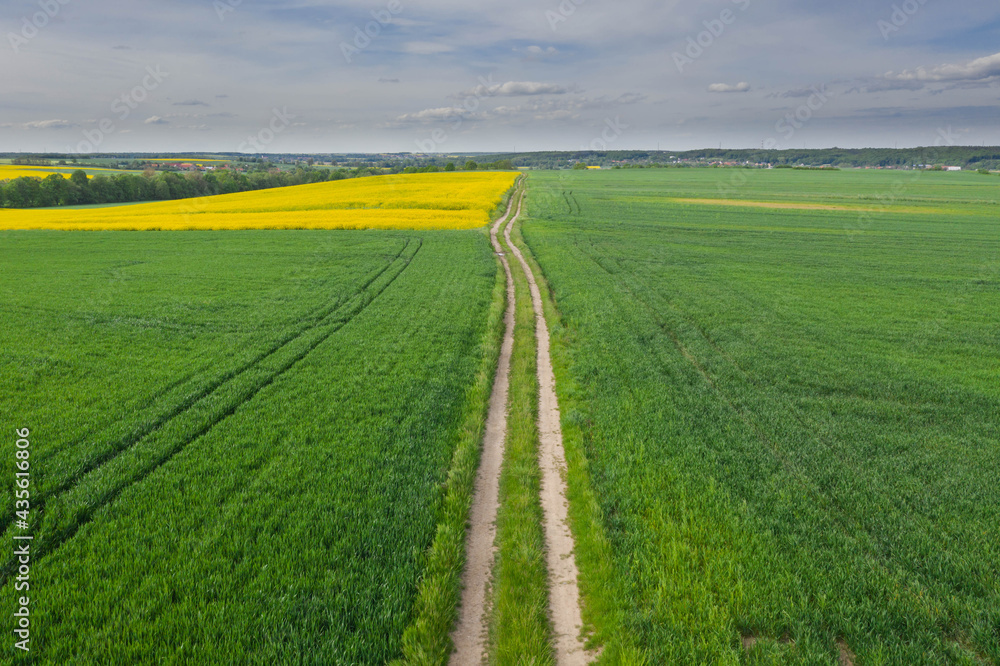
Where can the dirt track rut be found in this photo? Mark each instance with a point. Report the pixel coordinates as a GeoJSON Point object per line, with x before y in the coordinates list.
{"type": "Point", "coordinates": [470, 632]}
{"type": "Point", "coordinates": [564, 593]}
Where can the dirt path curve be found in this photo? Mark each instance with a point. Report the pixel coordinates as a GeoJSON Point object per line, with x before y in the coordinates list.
{"type": "Point", "coordinates": [564, 595]}
{"type": "Point", "coordinates": [470, 632]}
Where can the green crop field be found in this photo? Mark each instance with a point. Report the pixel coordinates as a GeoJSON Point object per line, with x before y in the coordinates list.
{"type": "Point", "coordinates": [779, 403]}
{"type": "Point", "coordinates": [240, 441]}
{"type": "Point", "coordinates": [789, 417]}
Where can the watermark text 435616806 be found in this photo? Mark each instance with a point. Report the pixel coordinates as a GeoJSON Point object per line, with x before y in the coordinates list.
{"type": "Point", "coordinates": [22, 542]}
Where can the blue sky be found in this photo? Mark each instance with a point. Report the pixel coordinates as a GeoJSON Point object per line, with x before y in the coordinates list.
{"type": "Point", "coordinates": [444, 75]}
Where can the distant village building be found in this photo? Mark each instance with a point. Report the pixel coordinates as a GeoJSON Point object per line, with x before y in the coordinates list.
{"type": "Point", "coordinates": [952, 168]}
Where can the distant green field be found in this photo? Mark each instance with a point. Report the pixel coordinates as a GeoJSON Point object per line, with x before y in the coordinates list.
{"type": "Point", "coordinates": [790, 416]}
{"type": "Point", "coordinates": [239, 440]}
{"type": "Point", "coordinates": [846, 187]}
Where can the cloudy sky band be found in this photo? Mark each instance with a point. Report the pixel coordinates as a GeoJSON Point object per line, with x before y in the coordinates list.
{"type": "Point", "coordinates": [498, 75]}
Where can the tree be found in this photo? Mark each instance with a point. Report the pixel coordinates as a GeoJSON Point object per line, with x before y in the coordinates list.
{"type": "Point", "coordinates": [82, 184]}
{"type": "Point", "coordinates": [128, 187]}
{"type": "Point", "coordinates": [11, 195]}
{"type": "Point", "coordinates": [23, 192]}
{"type": "Point", "coordinates": [161, 190]}
{"type": "Point", "coordinates": [471, 166]}
{"type": "Point", "coordinates": [104, 190]}
{"type": "Point", "coordinates": [450, 166]}
{"type": "Point", "coordinates": [579, 166]}
{"type": "Point", "coordinates": [56, 191]}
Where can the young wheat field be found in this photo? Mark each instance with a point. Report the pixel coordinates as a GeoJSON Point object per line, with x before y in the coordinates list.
{"type": "Point", "coordinates": [788, 416]}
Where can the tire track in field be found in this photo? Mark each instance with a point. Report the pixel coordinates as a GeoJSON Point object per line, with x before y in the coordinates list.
{"type": "Point", "coordinates": [144, 403]}
{"type": "Point", "coordinates": [470, 633]}
{"type": "Point", "coordinates": [569, 206]}
{"type": "Point", "coordinates": [564, 592]}
{"type": "Point", "coordinates": [333, 323]}
{"type": "Point", "coordinates": [309, 322]}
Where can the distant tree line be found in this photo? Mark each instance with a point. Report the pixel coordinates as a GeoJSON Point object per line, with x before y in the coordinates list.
{"type": "Point", "coordinates": [807, 168]}
{"type": "Point", "coordinates": [471, 165]}
{"type": "Point", "coordinates": [30, 161]}
{"type": "Point", "coordinates": [78, 189]}
{"type": "Point", "coordinates": [968, 157]}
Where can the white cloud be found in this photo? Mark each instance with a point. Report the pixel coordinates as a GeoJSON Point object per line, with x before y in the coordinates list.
{"type": "Point", "coordinates": [607, 102]}
{"type": "Point", "coordinates": [536, 51]}
{"type": "Point", "coordinates": [882, 85]}
{"type": "Point", "coordinates": [516, 89]}
{"type": "Point", "coordinates": [198, 116]}
{"type": "Point", "coordinates": [410, 23]}
{"type": "Point", "coordinates": [797, 93]}
{"type": "Point", "coordinates": [156, 120]}
{"type": "Point", "coordinates": [740, 87]}
{"type": "Point", "coordinates": [631, 98]}
{"type": "Point", "coordinates": [432, 115]}
{"type": "Point", "coordinates": [49, 124]}
{"type": "Point", "coordinates": [542, 110]}
{"type": "Point", "coordinates": [979, 69]}
{"type": "Point", "coordinates": [533, 109]}
{"type": "Point", "coordinates": [426, 48]}
{"type": "Point", "coordinates": [520, 114]}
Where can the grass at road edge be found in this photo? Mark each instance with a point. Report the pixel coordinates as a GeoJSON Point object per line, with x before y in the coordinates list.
{"type": "Point", "coordinates": [600, 588]}
{"type": "Point", "coordinates": [427, 639]}
{"type": "Point", "coordinates": [520, 630]}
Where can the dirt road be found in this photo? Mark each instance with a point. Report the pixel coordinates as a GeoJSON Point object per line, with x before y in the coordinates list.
{"type": "Point", "coordinates": [564, 594]}
{"type": "Point", "coordinates": [470, 632]}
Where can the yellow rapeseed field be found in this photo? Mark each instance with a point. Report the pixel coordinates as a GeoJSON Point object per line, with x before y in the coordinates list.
{"type": "Point", "coordinates": [416, 201]}
{"type": "Point", "coordinates": [10, 171]}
